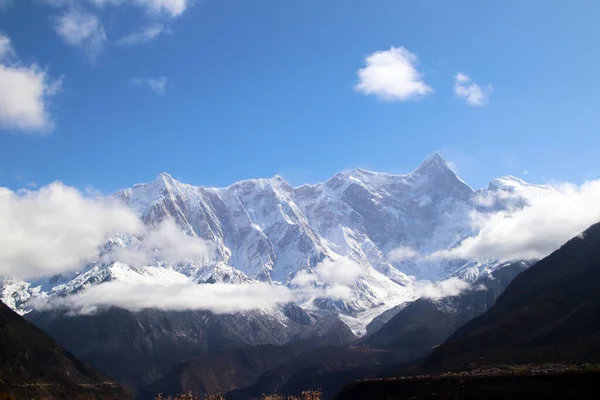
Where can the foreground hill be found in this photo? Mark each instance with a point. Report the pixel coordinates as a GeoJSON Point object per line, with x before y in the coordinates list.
{"type": "Point", "coordinates": [548, 318]}
{"type": "Point", "coordinates": [33, 366]}
{"type": "Point", "coordinates": [551, 312]}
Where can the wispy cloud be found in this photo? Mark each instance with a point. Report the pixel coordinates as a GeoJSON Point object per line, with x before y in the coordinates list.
{"type": "Point", "coordinates": [83, 30]}
{"type": "Point", "coordinates": [392, 76]}
{"type": "Point", "coordinates": [6, 49]}
{"type": "Point", "coordinates": [144, 35]}
{"type": "Point", "coordinates": [170, 8]}
{"type": "Point", "coordinates": [402, 253]}
{"type": "Point", "coordinates": [473, 94]}
{"type": "Point", "coordinates": [26, 93]}
{"type": "Point", "coordinates": [157, 85]}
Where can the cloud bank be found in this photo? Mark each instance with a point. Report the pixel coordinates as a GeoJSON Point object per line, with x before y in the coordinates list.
{"type": "Point", "coordinates": [534, 231]}
{"type": "Point", "coordinates": [26, 93]}
{"type": "Point", "coordinates": [57, 229]}
{"type": "Point", "coordinates": [217, 297]}
{"type": "Point", "coordinates": [334, 278]}
{"type": "Point", "coordinates": [54, 229]}
{"type": "Point", "coordinates": [392, 76]}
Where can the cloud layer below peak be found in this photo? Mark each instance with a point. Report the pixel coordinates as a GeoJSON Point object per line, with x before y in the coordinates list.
{"type": "Point", "coordinates": [534, 231]}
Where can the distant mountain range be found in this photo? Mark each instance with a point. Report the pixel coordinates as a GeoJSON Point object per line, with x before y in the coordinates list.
{"type": "Point", "coordinates": [265, 230]}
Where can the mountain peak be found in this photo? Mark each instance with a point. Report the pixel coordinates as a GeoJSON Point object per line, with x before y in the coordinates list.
{"type": "Point", "coordinates": [164, 176]}
{"type": "Point", "coordinates": [435, 159]}
{"type": "Point", "coordinates": [164, 180]}
{"type": "Point", "coordinates": [434, 163]}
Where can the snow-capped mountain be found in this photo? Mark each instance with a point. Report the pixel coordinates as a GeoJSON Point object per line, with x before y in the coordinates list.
{"type": "Point", "coordinates": [266, 230]}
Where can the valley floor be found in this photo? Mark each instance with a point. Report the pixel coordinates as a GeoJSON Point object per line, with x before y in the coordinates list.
{"type": "Point", "coordinates": [532, 382]}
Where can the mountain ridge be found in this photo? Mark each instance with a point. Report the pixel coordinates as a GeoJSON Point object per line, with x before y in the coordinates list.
{"type": "Point", "coordinates": [269, 231]}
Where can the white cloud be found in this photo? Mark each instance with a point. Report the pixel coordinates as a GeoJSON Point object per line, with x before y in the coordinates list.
{"type": "Point", "coordinates": [342, 271]}
{"type": "Point", "coordinates": [402, 253]}
{"type": "Point", "coordinates": [473, 94]}
{"type": "Point", "coordinates": [329, 279]}
{"type": "Point", "coordinates": [218, 297]}
{"type": "Point", "coordinates": [157, 85]}
{"type": "Point", "coordinates": [145, 35]}
{"type": "Point", "coordinates": [82, 29]}
{"type": "Point", "coordinates": [54, 229]}
{"type": "Point", "coordinates": [5, 3]}
{"type": "Point", "coordinates": [391, 75]}
{"type": "Point", "coordinates": [438, 290]}
{"type": "Point", "coordinates": [534, 231]}
{"type": "Point", "coordinates": [175, 246]}
{"type": "Point", "coordinates": [25, 94]}
{"type": "Point", "coordinates": [57, 229]}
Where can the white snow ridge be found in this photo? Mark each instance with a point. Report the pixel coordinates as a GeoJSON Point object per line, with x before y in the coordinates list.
{"type": "Point", "coordinates": [373, 227]}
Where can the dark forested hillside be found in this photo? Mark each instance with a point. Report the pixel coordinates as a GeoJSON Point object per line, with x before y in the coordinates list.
{"type": "Point", "coordinates": [549, 313]}
{"type": "Point", "coordinates": [33, 366]}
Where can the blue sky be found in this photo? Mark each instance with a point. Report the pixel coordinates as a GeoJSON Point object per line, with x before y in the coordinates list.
{"type": "Point", "coordinates": [215, 91]}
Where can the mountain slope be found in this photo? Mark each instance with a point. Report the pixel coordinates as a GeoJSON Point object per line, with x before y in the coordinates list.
{"type": "Point", "coordinates": [427, 322]}
{"type": "Point", "coordinates": [221, 372]}
{"type": "Point", "coordinates": [405, 339]}
{"type": "Point", "coordinates": [551, 312]}
{"type": "Point", "coordinates": [34, 366]}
